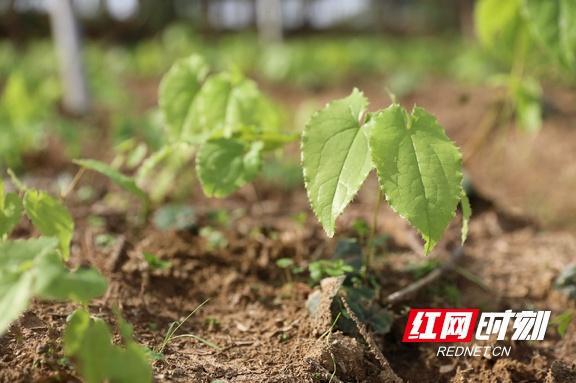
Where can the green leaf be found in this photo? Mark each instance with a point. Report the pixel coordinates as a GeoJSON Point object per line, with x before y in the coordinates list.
{"type": "Point", "coordinates": [10, 212]}
{"type": "Point", "coordinates": [249, 110]}
{"type": "Point", "coordinates": [271, 140]}
{"type": "Point", "coordinates": [78, 323]}
{"type": "Point", "coordinates": [335, 157]}
{"type": "Point", "coordinates": [16, 281]}
{"type": "Point", "coordinates": [144, 172]}
{"type": "Point", "coordinates": [466, 214]}
{"type": "Point", "coordinates": [174, 216]}
{"type": "Point", "coordinates": [32, 268]}
{"type": "Point", "coordinates": [553, 24]}
{"type": "Point", "coordinates": [89, 342]}
{"type": "Point", "coordinates": [158, 173]}
{"type": "Point", "coordinates": [209, 112]}
{"type": "Point", "coordinates": [15, 293]}
{"type": "Point", "coordinates": [18, 255]}
{"type": "Point", "coordinates": [50, 217]}
{"type": "Point", "coordinates": [284, 263]}
{"type": "Point", "coordinates": [227, 104]}
{"type": "Point", "coordinates": [419, 169]}
{"type": "Point", "coordinates": [80, 285]}
{"type": "Point", "coordinates": [500, 26]}
{"type": "Point", "coordinates": [224, 165]}
{"type": "Point", "coordinates": [177, 91]}
{"type": "Point", "coordinates": [156, 263]}
{"type": "Point", "coordinates": [563, 321]}
{"type": "Point", "coordinates": [328, 268]}
{"type": "Point", "coordinates": [115, 176]}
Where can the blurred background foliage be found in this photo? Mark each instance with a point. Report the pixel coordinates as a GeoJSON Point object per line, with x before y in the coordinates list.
{"type": "Point", "coordinates": [129, 44]}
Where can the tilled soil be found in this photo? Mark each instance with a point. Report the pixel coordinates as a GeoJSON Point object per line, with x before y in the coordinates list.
{"type": "Point", "coordinates": [256, 314]}
{"type": "Point", "coordinates": [258, 318]}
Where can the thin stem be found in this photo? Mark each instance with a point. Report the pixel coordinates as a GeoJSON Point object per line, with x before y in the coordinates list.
{"type": "Point", "coordinates": [174, 326]}
{"type": "Point", "coordinates": [516, 75]}
{"type": "Point", "coordinates": [327, 332]}
{"type": "Point", "coordinates": [73, 183]}
{"type": "Point", "coordinates": [370, 244]}
{"type": "Point", "coordinates": [17, 183]}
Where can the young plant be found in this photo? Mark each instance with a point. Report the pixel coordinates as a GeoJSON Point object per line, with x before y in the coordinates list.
{"type": "Point", "coordinates": [48, 215]}
{"type": "Point", "coordinates": [419, 169]}
{"type": "Point", "coordinates": [519, 30]}
{"type": "Point", "coordinates": [222, 117]}
{"type": "Point", "coordinates": [88, 341]}
{"type": "Point", "coordinates": [328, 268]}
{"type": "Point", "coordinates": [34, 267]}
{"type": "Point", "coordinates": [173, 329]}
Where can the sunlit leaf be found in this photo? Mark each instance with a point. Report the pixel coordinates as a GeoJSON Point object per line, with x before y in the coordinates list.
{"type": "Point", "coordinates": [89, 342]}
{"type": "Point", "coordinates": [115, 176]}
{"type": "Point", "coordinates": [177, 91]}
{"type": "Point", "coordinates": [227, 104]}
{"type": "Point", "coordinates": [50, 217]}
{"type": "Point", "coordinates": [224, 165]}
{"type": "Point", "coordinates": [553, 24]}
{"type": "Point", "coordinates": [60, 284]}
{"type": "Point", "coordinates": [16, 290]}
{"type": "Point", "coordinates": [335, 157]}
{"type": "Point", "coordinates": [174, 216]}
{"type": "Point", "coordinates": [156, 263]}
{"type": "Point", "coordinates": [10, 212]}
{"type": "Point", "coordinates": [32, 268]}
{"type": "Point", "coordinates": [419, 169]}
{"type": "Point", "coordinates": [500, 26]}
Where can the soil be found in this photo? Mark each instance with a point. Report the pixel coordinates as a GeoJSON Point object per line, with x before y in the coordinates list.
{"type": "Point", "coordinates": [520, 240]}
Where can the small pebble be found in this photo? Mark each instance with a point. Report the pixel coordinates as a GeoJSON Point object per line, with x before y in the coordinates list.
{"type": "Point", "coordinates": [178, 372]}
{"type": "Point", "coordinates": [42, 348]}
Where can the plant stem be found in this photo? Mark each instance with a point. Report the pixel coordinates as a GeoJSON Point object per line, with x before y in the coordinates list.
{"type": "Point", "coordinates": [64, 194]}
{"type": "Point", "coordinates": [370, 244]}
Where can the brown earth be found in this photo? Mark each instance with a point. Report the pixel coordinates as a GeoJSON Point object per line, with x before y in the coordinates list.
{"type": "Point", "coordinates": [256, 315]}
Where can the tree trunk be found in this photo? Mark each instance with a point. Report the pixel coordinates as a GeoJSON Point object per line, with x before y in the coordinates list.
{"type": "Point", "coordinates": [269, 20]}
{"type": "Point", "coordinates": [68, 48]}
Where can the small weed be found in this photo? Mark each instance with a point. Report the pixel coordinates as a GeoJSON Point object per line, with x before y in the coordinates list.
{"type": "Point", "coordinates": [563, 321]}
{"type": "Point", "coordinates": [328, 268]}
{"type": "Point", "coordinates": [214, 238]}
{"type": "Point", "coordinates": [175, 326]}
{"type": "Point", "coordinates": [156, 263]}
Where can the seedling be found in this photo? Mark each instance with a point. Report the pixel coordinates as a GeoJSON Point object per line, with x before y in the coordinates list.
{"type": "Point", "coordinates": [419, 169]}
{"type": "Point", "coordinates": [212, 323]}
{"type": "Point", "coordinates": [222, 118]}
{"type": "Point", "coordinates": [156, 263]}
{"type": "Point", "coordinates": [214, 238]}
{"type": "Point", "coordinates": [174, 216]}
{"type": "Point", "coordinates": [328, 268]}
{"type": "Point", "coordinates": [88, 341]}
{"type": "Point", "coordinates": [33, 268]}
{"type": "Point", "coordinates": [289, 268]}
{"type": "Point", "coordinates": [563, 321]}
{"type": "Point", "coordinates": [175, 326]}
{"type": "Point", "coordinates": [524, 29]}
{"type": "Point", "coordinates": [49, 216]}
